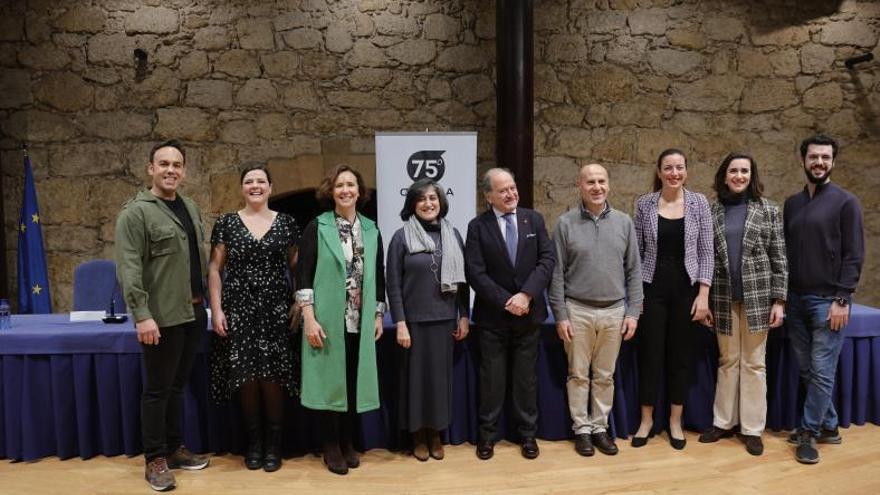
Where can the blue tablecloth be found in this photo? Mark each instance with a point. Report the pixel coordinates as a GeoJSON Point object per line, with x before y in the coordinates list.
{"type": "Point", "coordinates": [73, 389]}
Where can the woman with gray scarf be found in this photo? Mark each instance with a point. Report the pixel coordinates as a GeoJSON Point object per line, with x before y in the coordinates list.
{"type": "Point", "coordinates": [429, 303]}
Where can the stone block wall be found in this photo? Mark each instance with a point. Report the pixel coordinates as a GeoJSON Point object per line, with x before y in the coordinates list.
{"type": "Point", "coordinates": [617, 81]}
{"type": "Point", "coordinates": [298, 84]}
{"type": "Point", "coordinates": [294, 84]}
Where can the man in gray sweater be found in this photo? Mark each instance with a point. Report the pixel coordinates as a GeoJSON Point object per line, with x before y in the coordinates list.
{"type": "Point", "coordinates": [596, 297]}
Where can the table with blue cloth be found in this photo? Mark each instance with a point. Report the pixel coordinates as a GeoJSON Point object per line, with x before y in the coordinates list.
{"type": "Point", "coordinates": [73, 390]}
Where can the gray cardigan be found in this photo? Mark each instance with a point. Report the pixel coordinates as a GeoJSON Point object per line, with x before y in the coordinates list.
{"type": "Point", "coordinates": [413, 292]}
{"type": "Point", "coordinates": [597, 262]}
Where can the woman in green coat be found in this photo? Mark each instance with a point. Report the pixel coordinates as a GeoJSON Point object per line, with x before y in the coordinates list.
{"type": "Point", "coordinates": [341, 289]}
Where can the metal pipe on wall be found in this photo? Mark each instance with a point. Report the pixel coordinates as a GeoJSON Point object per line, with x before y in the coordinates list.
{"type": "Point", "coordinates": [4, 279]}
{"type": "Point", "coordinates": [515, 93]}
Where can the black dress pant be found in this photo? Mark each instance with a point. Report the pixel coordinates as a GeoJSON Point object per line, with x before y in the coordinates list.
{"type": "Point", "coordinates": [167, 366]}
{"type": "Point", "coordinates": [666, 334]}
{"type": "Point", "coordinates": [509, 351]}
{"type": "Point", "coordinates": [340, 427]}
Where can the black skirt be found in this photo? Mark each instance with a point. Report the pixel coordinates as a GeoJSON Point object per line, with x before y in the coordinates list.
{"type": "Point", "coordinates": [426, 376]}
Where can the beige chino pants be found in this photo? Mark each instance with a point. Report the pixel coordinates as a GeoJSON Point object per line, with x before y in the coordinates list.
{"type": "Point", "coordinates": [741, 392]}
{"type": "Point", "coordinates": [592, 357]}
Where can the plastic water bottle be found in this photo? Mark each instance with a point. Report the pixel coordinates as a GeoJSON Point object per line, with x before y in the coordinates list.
{"type": "Point", "coordinates": [5, 315]}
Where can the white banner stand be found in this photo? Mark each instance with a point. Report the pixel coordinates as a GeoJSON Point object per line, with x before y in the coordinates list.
{"type": "Point", "coordinates": [450, 158]}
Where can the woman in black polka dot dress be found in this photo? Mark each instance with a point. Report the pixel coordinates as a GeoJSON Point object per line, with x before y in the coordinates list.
{"type": "Point", "coordinates": [252, 352]}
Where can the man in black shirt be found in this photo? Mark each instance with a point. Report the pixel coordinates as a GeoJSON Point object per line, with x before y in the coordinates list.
{"type": "Point", "coordinates": [826, 248]}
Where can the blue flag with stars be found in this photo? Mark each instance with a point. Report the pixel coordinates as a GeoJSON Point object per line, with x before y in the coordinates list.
{"type": "Point", "coordinates": [33, 278]}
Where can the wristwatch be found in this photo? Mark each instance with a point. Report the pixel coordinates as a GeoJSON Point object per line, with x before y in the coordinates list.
{"type": "Point", "coordinates": [380, 308]}
{"type": "Point", "coordinates": [841, 301]}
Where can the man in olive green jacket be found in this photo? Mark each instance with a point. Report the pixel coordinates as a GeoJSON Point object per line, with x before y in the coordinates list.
{"type": "Point", "coordinates": [159, 264]}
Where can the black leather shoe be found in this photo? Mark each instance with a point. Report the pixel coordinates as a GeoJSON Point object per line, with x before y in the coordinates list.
{"type": "Point", "coordinates": [714, 434]}
{"type": "Point", "coordinates": [529, 448]}
{"type": "Point", "coordinates": [583, 445]}
{"type": "Point", "coordinates": [604, 443]}
{"type": "Point", "coordinates": [485, 450]}
{"type": "Point", "coordinates": [754, 444]}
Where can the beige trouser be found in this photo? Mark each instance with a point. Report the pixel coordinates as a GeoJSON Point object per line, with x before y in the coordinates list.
{"type": "Point", "coordinates": [741, 392]}
{"type": "Point", "coordinates": [594, 347]}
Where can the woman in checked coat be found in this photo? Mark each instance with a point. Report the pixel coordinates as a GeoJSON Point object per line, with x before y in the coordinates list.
{"type": "Point", "coordinates": [747, 298]}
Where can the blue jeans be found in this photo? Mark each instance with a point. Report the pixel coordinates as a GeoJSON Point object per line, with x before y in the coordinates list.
{"type": "Point", "coordinates": [817, 349]}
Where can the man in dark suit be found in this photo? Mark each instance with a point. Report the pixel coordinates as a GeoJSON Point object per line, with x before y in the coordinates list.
{"type": "Point", "coordinates": [509, 262]}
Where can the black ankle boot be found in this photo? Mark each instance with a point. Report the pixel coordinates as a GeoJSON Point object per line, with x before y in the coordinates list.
{"type": "Point", "coordinates": [351, 456]}
{"type": "Point", "coordinates": [346, 438]}
{"type": "Point", "coordinates": [333, 458]}
{"type": "Point", "coordinates": [253, 456]}
{"type": "Point", "coordinates": [272, 459]}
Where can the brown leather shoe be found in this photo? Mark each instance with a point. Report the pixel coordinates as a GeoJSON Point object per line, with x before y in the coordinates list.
{"type": "Point", "coordinates": [435, 445]}
{"type": "Point", "coordinates": [420, 447]}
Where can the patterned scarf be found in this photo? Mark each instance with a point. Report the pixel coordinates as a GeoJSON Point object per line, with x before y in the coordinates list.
{"type": "Point", "coordinates": [353, 249]}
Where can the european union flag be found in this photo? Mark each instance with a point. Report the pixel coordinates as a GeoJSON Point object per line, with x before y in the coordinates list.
{"type": "Point", "coordinates": [33, 278]}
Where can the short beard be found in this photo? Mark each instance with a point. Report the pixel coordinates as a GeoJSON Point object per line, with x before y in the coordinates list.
{"type": "Point", "coordinates": [818, 180]}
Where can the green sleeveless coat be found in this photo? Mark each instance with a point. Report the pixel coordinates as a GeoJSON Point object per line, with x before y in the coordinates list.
{"type": "Point", "coordinates": [323, 370]}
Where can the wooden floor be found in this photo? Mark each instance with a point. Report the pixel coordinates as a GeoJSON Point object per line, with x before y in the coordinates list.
{"type": "Point", "coordinates": [722, 468]}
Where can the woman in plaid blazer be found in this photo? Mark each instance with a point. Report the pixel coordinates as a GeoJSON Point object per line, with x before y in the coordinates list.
{"type": "Point", "coordinates": [674, 230]}
{"type": "Point", "coordinates": [747, 298]}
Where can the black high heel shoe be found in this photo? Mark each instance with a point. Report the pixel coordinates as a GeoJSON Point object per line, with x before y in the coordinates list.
{"type": "Point", "coordinates": [641, 441]}
{"type": "Point", "coordinates": [676, 443]}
